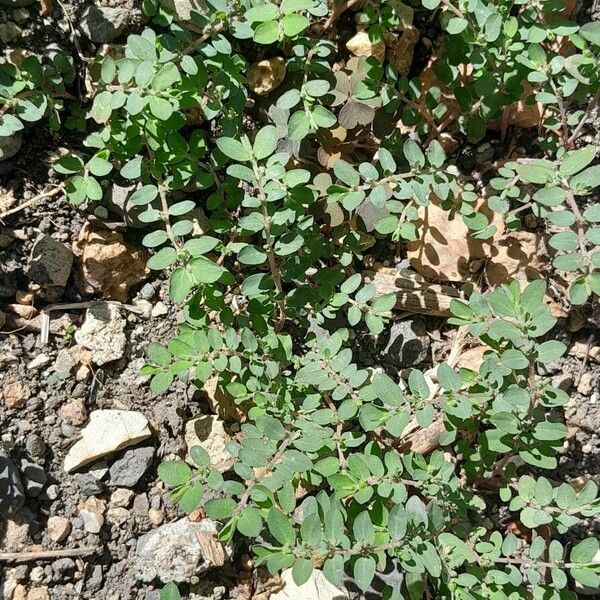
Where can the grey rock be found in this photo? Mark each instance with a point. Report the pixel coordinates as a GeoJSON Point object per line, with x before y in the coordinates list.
{"type": "Point", "coordinates": [103, 24]}
{"type": "Point", "coordinates": [64, 361]}
{"type": "Point", "coordinates": [51, 263]}
{"type": "Point", "coordinates": [406, 343]}
{"type": "Point", "coordinates": [35, 445]}
{"type": "Point", "coordinates": [34, 477]}
{"type": "Point", "coordinates": [9, 32]}
{"type": "Point", "coordinates": [11, 487]}
{"type": "Point", "coordinates": [88, 484]}
{"type": "Point", "coordinates": [63, 567]}
{"type": "Point", "coordinates": [129, 469]}
{"type": "Point", "coordinates": [95, 581]}
{"type": "Point", "coordinates": [171, 552]}
{"type": "Point", "coordinates": [147, 292]}
{"type": "Point", "coordinates": [9, 146]}
{"type": "Point", "coordinates": [152, 595]}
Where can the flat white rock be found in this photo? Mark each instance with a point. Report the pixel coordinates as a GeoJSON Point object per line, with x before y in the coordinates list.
{"type": "Point", "coordinates": [107, 432]}
{"type": "Point", "coordinates": [316, 588]}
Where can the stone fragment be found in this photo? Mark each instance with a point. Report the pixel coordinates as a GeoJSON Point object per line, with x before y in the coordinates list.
{"type": "Point", "coordinates": [102, 332]}
{"type": "Point", "coordinates": [264, 76]}
{"type": "Point", "coordinates": [64, 362]}
{"type": "Point", "coordinates": [38, 593]}
{"type": "Point", "coordinates": [9, 32]}
{"type": "Point", "coordinates": [117, 515]}
{"type": "Point", "coordinates": [172, 552]}
{"type": "Point", "coordinates": [107, 432]}
{"type": "Point", "coordinates": [33, 477]}
{"type": "Point", "coordinates": [15, 394]}
{"type": "Point", "coordinates": [122, 497]}
{"type": "Point", "coordinates": [407, 344]}
{"type": "Point", "coordinates": [50, 264]}
{"type": "Point", "coordinates": [185, 11]}
{"type": "Point", "coordinates": [41, 360]}
{"type": "Point", "coordinates": [445, 251]}
{"type": "Point", "coordinates": [102, 24]}
{"type": "Point", "coordinates": [92, 514]}
{"type": "Point", "coordinates": [316, 588]}
{"type": "Point", "coordinates": [73, 412]}
{"type": "Point", "coordinates": [11, 487]}
{"type": "Point", "coordinates": [108, 266]}
{"type": "Point", "coordinates": [520, 255]}
{"type": "Point", "coordinates": [58, 528]}
{"type": "Point", "coordinates": [361, 45]}
{"type": "Point", "coordinates": [10, 145]}
{"type": "Point", "coordinates": [130, 468]}
{"type": "Point", "coordinates": [208, 432]}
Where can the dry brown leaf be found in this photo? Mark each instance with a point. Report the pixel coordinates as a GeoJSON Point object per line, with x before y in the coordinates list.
{"type": "Point", "coordinates": [108, 266]}
{"type": "Point", "coordinates": [400, 50]}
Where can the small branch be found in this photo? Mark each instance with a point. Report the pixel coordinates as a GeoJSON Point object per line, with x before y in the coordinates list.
{"type": "Point", "coordinates": [46, 554]}
{"type": "Point", "coordinates": [588, 111]}
{"type": "Point", "coordinates": [32, 201]}
{"type": "Point", "coordinates": [579, 219]}
{"type": "Point", "coordinates": [338, 11]}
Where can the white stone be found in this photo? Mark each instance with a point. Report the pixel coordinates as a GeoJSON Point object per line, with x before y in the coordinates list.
{"type": "Point", "coordinates": [361, 45]}
{"type": "Point", "coordinates": [316, 588]}
{"type": "Point", "coordinates": [102, 333]}
{"type": "Point", "coordinates": [58, 528]}
{"type": "Point", "coordinates": [107, 431]}
{"type": "Point", "coordinates": [172, 552]}
{"type": "Point", "coordinates": [92, 522]}
{"type": "Point", "coordinates": [208, 432]}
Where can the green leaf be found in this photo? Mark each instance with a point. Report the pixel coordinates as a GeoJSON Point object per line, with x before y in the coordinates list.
{"type": "Point", "coordinates": [413, 154]}
{"type": "Point", "coordinates": [576, 160]}
{"type": "Point", "coordinates": [298, 126]}
{"type": "Point", "coordinates": [363, 529]}
{"type": "Point", "coordinates": [167, 77]}
{"type": "Point", "coordinates": [191, 498]}
{"type": "Point", "coordinates": [265, 142]}
{"type": "Point", "coordinates": [514, 359]}
{"type": "Point", "coordinates": [456, 25]}
{"type": "Point", "coordinates": [586, 181]}
{"type": "Point", "coordinates": [233, 149]}
{"type": "Point", "coordinates": [591, 32]}
{"type": "Point", "coordinates": [170, 592]}
{"type": "Point", "coordinates": [267, 33]}
{"type": "Point", "coordinates": [302, 570]}
{"type": "Point", "coordinates": [200, 456]}
{"type": "Point", "coordinates": [162, 259]}
{"type": "Point", "coordinates": [250, 522]}
{"type": "Point", "coordinates": [160, 107]}
{"type": "Point", "coordinates": [364, 571]}
{"type": "Point", "coordinates": [584, 551]}
{"type": "Point", "coordinates": [251, 255]}
{"type": "Point", "coordinates": [294, 24]}
{"type": "Point", "coordinates": [174, 473]}
{"type": "Point", "coordinates": [220, 508]}
{"type": "Point", "coordinates": [205, 270]}
{"type": "Point", "coordinates": [181, 284]}
{"type": "Point", "coordinates": [280, 526]}
{"type": "Point", "coordinates": [550, 351]}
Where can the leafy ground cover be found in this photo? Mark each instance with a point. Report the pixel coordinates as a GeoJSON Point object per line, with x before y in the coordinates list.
{"type": "Point", "coordinates": [276, 163]}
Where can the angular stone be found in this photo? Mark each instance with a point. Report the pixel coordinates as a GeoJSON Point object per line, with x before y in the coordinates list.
{"type": "Point", "coordinates": [102, 333]}
{"type": "Point", "coordinates": [11, 488]}
{"type": "Point", "coordinates": [361, 45]}
{"type": "Point", "coordinates": [107, 432]}
{"type": "Point", "coordinates": [172, 552]}
{"type": "Point", "coordinates": [208, 432]}
{"type": "Point", "coordinates": [51, 263]}
{"type": "Point", "coordinates": [130, 468]}
{"type": "Point", "coordinates": [109, 266]}
{"type": "Point", "coordinates": [58, 528]}
{"type": "Point", "coordinates": [103, 24]}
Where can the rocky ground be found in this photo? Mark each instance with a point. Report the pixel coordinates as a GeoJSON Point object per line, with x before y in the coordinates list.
{"type": "Point", "coordinates": [81, 434]}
